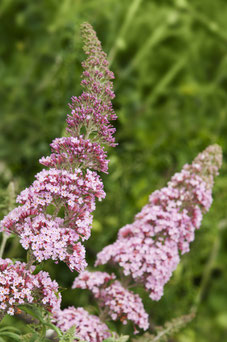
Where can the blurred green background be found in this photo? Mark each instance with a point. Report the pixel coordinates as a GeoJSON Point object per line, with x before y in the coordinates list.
{"type": "Point", "coordinates": [170, 62]}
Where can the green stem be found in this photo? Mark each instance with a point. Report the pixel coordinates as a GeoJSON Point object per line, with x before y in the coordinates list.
{"type": "Point", "coordinates": [2, 314]}
{"type": "Point", "coordinates": [30, 259]}
{"type": "Point", "coordinates": [103, 315]}
{"type": "Point", "coordinates": [156, 37]}
{"type": "Point", "coordinates": [128, 19]}
{"type": "Point", "coordinates": [3, 244]}
{"type": "Point", "coordinates": [11, 253]}
{"type": "Point", "coordinates": [207, 272]}
{"type": "Point", "coordinates": [161, 334]}
{"type": "Point", "coordinates": [43, 332]}
{"type": "Point", "coordinates": [165, 81]}
{"type": "Point", "coordinates": [209, 24]}
{"type": "Point", "coordinates": [11, 191]}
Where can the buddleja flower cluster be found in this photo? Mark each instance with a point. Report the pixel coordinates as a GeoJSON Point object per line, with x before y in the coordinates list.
{"type": "Point", "coordinates": [87, 327]}
{"type": "Point", "coordinates": [149, 249]}
{"type": "Point", "coordinates": [19, 286]}
{"type": "Point", "coordinates": [118, 302]}
{"type": "Point", "coordinates": [55, 212]}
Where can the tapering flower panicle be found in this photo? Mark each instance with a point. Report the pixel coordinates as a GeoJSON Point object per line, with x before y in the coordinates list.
{"type": "Point", "coordinates": [55, 215]}
{"type": "Point", "coordinates": [87, 327]}
{"type": "Point", "coordinates": [118, 302]}
{"type": "Point", "coordinates": [149, 249]}
{"type": "Point", "coordinates": [92, 111]}
{"type": "Point", "coordinates": [19, 286]}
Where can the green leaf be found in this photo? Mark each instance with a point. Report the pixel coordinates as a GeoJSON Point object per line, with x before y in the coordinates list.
{"type": "Point", "coordinates": [38, 268]}
{"type": "Point", "coordinates": [33, 337]}
{"type": "Point", "coordinates": [33, 311]}
{"type": "Point", "coordinates": [69, 335]}
{"type": "Point", "coordinates": [117, 339]}
{"type": "Point", "coordinates": [53, 327]}
{"type": "Point", "coordinates": [123, 338]}
{"type": "Point", "coordinates": [11, 335]}
{"type": "Point", "coordinates": [9, 328]}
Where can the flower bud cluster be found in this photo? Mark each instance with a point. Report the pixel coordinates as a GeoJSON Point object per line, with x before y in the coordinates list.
{"type": "Point", "coordinates": [89, 112]}
{"type": "Point", "coordinates": [93, 110]}
{"type": "Point", "coordinates": [118, 302]}
{"type": "Point", "coordinates": [88, 327]}
{"type": "Point", "coordinates": [149, 249]}
{"type": "Point", "coordinates": [19, 286]}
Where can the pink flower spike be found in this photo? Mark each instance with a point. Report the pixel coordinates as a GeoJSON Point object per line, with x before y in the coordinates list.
{"type": "Point", "coordinates": [55, 212]}
{"type": "Point", "coordinates": [149, 249]}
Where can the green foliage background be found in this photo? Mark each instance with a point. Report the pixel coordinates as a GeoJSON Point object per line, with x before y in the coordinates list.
{"type": "Point", "coordinates": [170, 62]}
